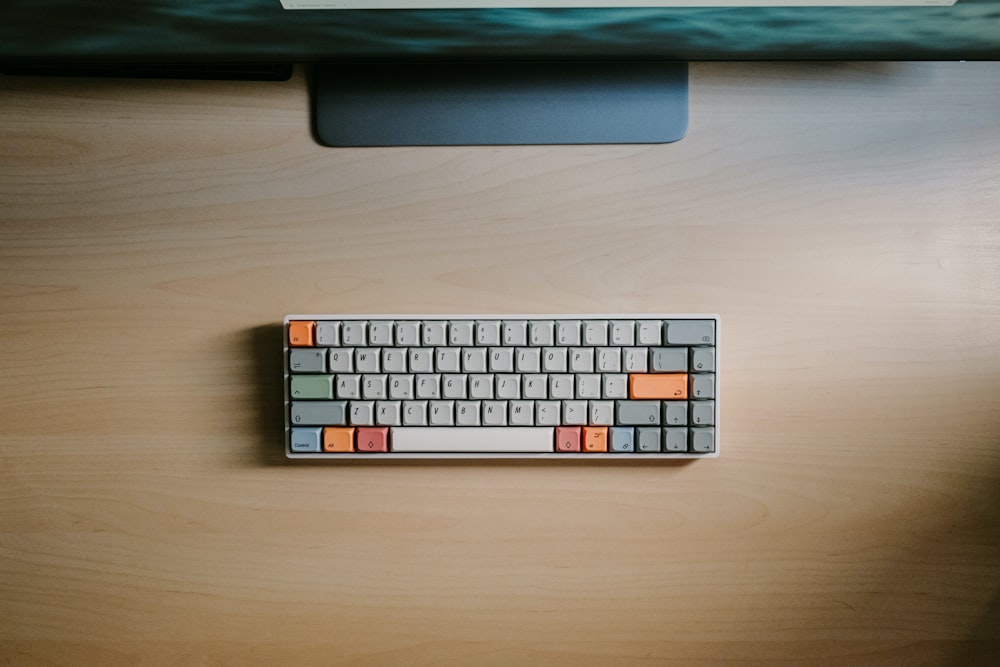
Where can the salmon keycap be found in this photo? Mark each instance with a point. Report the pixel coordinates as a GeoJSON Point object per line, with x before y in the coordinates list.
{"type": "Point", "coordinates": [300, 333]}
{"type": "Point", "coordinates": [595, 438]}
{"type": "Point", "coordinates": [567, 438]}
{"type": "Point", "coordinates": [662, 386]}
{"type": "Point", "coordinates": [338, 439]}
{"type": "Point", "coordinates": [373, 439]}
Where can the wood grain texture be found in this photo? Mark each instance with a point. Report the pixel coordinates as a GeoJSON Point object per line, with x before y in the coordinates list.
{"type": "Point", "coordinates": [844, 220]}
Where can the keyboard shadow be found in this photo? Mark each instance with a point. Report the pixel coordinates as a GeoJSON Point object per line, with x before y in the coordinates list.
{"type": "Point", "coordinates": [265, 345]}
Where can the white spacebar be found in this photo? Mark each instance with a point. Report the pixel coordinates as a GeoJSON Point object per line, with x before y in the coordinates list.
{"type": "Point", "coordinates": [475, 439]}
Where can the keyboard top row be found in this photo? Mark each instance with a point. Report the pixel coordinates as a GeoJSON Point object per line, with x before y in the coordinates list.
{"type": "Point", "coordinates": [566, 386]}
{"type": "Point", "coordinates": [498, 332]}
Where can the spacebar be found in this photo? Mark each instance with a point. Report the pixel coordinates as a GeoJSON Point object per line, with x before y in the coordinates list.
{"type": "Point", "coordinates": [473, 439]}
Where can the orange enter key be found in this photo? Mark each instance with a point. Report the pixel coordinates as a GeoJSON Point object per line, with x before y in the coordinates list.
{"type": "Point", "coordinates": [663, 386]}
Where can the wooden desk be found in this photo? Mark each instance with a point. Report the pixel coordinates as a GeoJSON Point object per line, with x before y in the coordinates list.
{"type": "Point", "coordinates": [843, 219]}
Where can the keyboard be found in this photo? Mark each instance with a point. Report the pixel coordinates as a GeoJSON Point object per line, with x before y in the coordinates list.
{"type": "Point", "coordinates": [634, 387]}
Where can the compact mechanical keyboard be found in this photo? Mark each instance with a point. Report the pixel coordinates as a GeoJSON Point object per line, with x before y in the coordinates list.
{"type": "Point", "coordinates": [521, 386]}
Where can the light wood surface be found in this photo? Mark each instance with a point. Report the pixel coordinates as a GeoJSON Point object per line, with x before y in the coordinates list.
{"type": "Point", "coordinates": [843, 219]}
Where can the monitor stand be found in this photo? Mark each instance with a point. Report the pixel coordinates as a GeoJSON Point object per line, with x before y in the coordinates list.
{"type": "Point", "coordinates": [493, 103]}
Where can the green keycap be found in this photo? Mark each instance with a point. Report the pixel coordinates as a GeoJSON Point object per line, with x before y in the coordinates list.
{"type": "Point", "coordinates": [312, 386]}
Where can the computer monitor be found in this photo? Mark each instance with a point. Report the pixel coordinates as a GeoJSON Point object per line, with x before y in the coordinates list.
{"type": "Point", "coordinates": [391, 72]}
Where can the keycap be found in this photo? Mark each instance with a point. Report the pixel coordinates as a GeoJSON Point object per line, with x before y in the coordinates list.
{"type": "Point", "coordinates": [595, 387]}
{"type": "Point", "coordinates": [482, 440]}
{"type": "Point", "coordinates": [690, 332]}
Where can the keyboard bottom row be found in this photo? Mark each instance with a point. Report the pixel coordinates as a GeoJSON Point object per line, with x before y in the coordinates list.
{"type": "Point", "coordinates": [502, 440]}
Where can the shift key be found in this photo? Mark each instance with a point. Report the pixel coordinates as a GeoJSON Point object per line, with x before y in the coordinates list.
{"type": "Point", "coordinates": [638, 413]}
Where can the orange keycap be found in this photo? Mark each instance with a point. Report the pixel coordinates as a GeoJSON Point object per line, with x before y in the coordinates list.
{"type": "Point", "coordinates": [567, 438]}
{"type": "Point", "coordinates": [300, 333]}
{"type": "Point", "coordinates": [373, 439]}
{"type": "Point", "coordinates": [595, 438]}
{"type": "Point", "coordinates": [658, 385]}
{"type": "Point", "coordinates": [338, 439]}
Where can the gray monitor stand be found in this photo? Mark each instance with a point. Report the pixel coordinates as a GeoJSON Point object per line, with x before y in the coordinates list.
{"type": "Point", "coordinates": [493, 103]}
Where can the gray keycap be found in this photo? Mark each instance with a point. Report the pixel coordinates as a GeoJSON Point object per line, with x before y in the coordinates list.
{"type": "Point", "coordinates": [381, 333]}
{"type": "Point", "coordinates": [388, 413]}
{"type": "Point", "coordinates": [447, 359]}
{"type": "Point", "coordinates": [602, 412]}
{"type": "Point", "coordinates": [401, 387]}
{"type": "Point", "coordinates": [668, 359]}
{"type": "Point", "coordinates": [394, 359]}
{"type": "Point", "coordinates": [703, 440]}
{"type": "Point", "coordinates": [702, 385]}
{"type": "Point", "coordinates": [515, 332]}
{"type": "Point", "coordinates": [690, 332]}
{"type": "Point", "coordinates": [362, 413]}
{"type": "Point", "coordinates": [414, 413]}
{"type": "Point", "coordinates": [429, 386]}
{"type": "Point", "coordinates": [574, 413]}
{"type": "Point", "coordinates": [554, 360]}
{"type": "Point", "coordinates": [367, 359]}
{"type": "Point", "coordinates": [635, 359]}
{"type": "Point", "coordinates": [675, 439]}
{"type": "Point", "coordinates": [638, 413]}
{"type": "Point", "coordinates": [454, 386]}
{"type": "Point", "coordinates": [474, 359]}
{"type": "Point", "coordinates": [494, 413]}
{"type": "Point", "coordinates": [481, 386]}
{"type": "Point", "coordinates": [434, 332]}
{"type": "Point", "coordinates": [354, 334]}
{"type": "Point", "coordinates": [421, 359]}
{"type": "Point", "coordinates": [647, 439]}
{"type": "Point", "coordinates": [348, 386]}
{"type": "Point", "coordinates": [703, 413]}
{"type": "Point", "coordinates": [595, 332]}
{"type": "Point", "coordinates": [542, 332]}
{"type": "Point", "coordinates": [562, 386]}
{"type": "Point", "coordinates": [501, 359]}
{"type": "Point", "coordinates": [460, 332]}
{"type": "Point", "coordinates": [581, 359]}
{"type": "Point", "coordinates": [441, 413]}
{"type": "Point", "coordinates": [487, 332]}
{"type": "Point", "coordinates": [650, 332]}
{"type": "Point", "coordinates": [675, 413]}
{"type": "Point", "coordinates": [328, 333]}
{"type": "Point", "coordinates": [407, 333]}
{"type": "Point", "coordinates": [522, 413]}
{"type": "Point", "coordinates": [467, 413]}
{"type": "Point", "coordinates": [508, 386]}
{"type": "Point", "coordinates": [307, 361]}
{"type": "Point", "coordinates": [330, 413]}
{"type": "Point", "coordinates": [568, 332]}
{"type": "Point", "coordinates": [536, 386]}
{"type": "Point", "coordinates": [702, 359]}
{"type": "Point", "coordinates": [622, 332]}
{"type": "Point", "coordinates": [374, 387]}
{"type": "Point", "coordinates": [528, 360]}
{"type": "Point", "coordinates": [615, 386]}
{"type": "Point", "coordinates": [588, 385]}
{"type": "Point", "coordinates": [547, 413]}
{"type": "Point", "coordinates": [608, 360]}
{"type": "Point", "coordinates": [341, 360]}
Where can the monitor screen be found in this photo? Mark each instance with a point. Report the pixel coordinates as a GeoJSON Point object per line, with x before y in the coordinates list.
{"type": "Point", "coordinates": [399, 34]}
{"type": "Point", "coordinates": [317, 30]}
